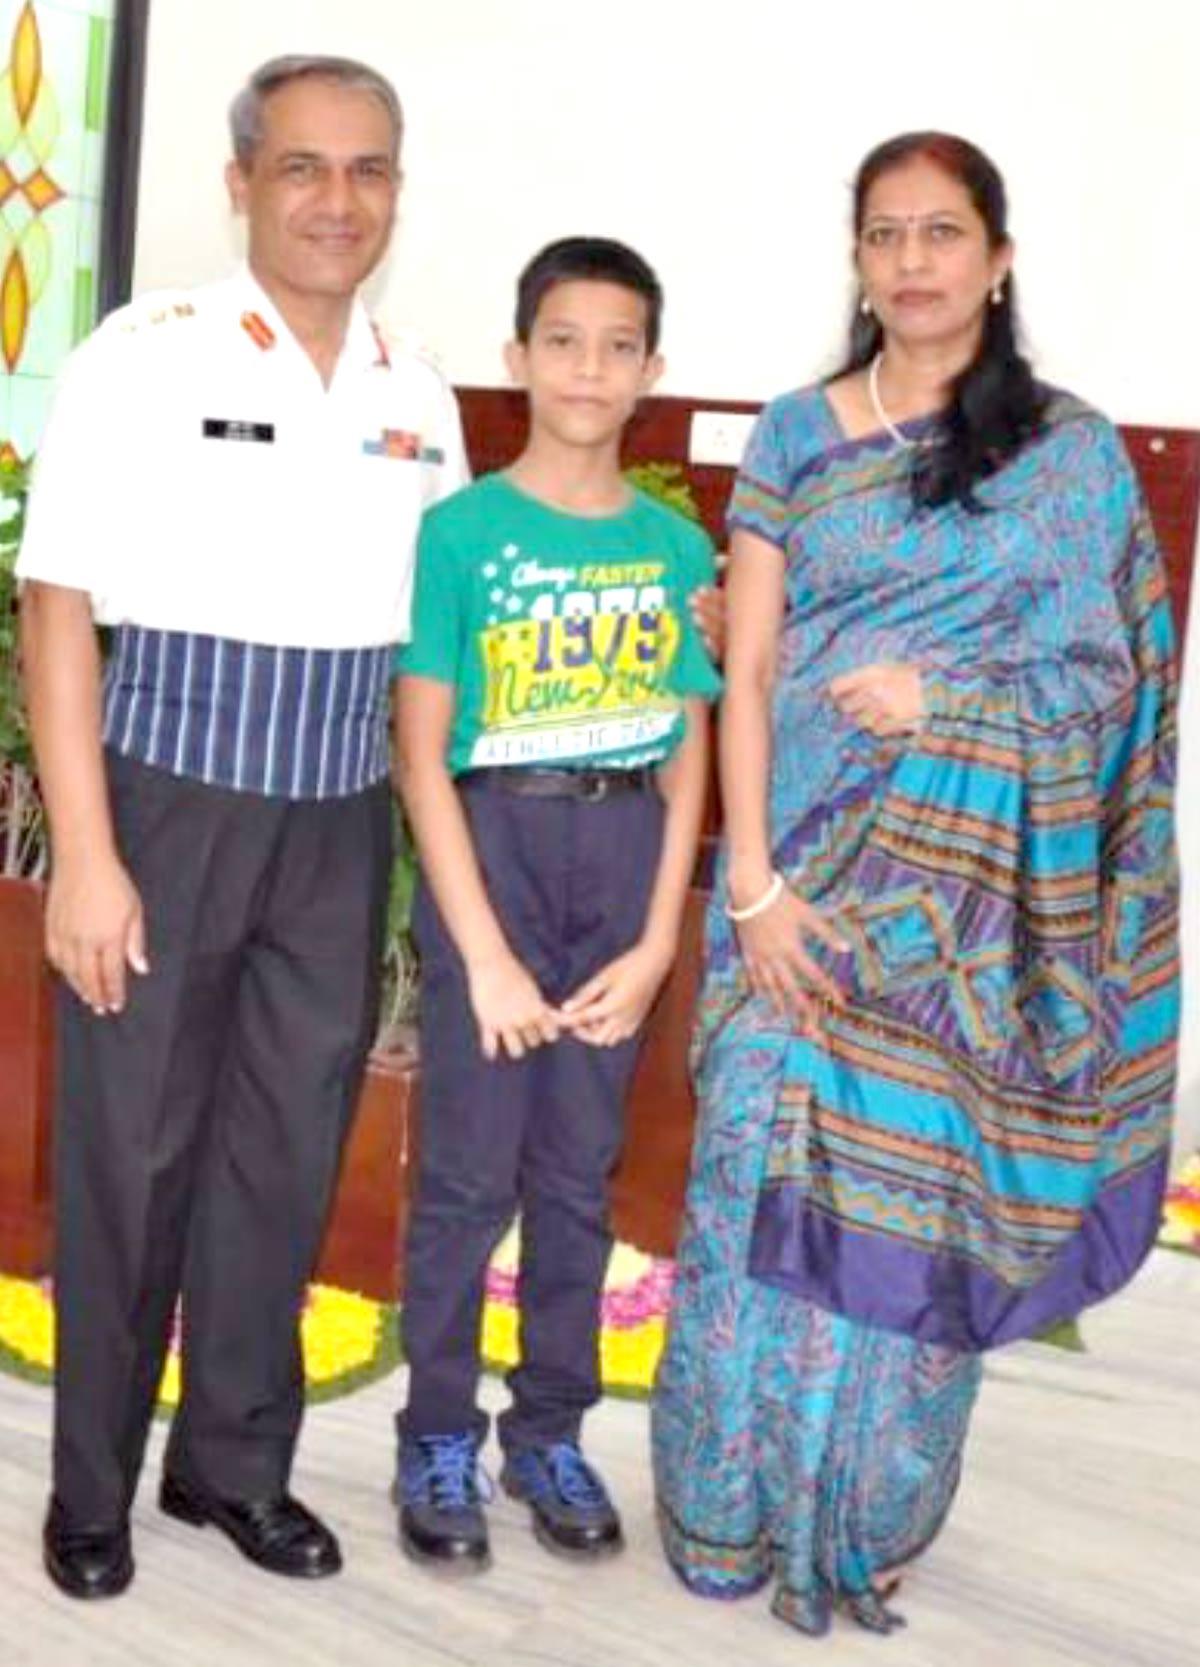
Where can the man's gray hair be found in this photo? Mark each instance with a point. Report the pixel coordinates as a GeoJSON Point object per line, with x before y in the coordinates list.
{"type": "Point", "coordinates": [246, 111]}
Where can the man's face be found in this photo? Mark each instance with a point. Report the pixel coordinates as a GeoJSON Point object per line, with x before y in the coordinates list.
{"type": "Point", "coordinates": [319, 193]}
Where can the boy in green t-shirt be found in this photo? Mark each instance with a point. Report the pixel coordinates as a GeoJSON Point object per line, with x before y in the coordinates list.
{"type": "Point", "coordinates": [551, 728]}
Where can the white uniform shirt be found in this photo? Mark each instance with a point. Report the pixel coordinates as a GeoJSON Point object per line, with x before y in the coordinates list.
{"type": "Point", "coordinates": [197, 476]}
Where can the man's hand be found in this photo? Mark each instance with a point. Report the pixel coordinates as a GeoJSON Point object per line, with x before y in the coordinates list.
{"type": "Point", "coordinates": [95, 930]}
{"type": "Point", "coordinates": [882, 699]}
{"type": "Point", "coordinates": [707, 606]}
{"type": "Point", "coordinates": [612, 1006]}
{"type": "Point", "coordinates": [511, 1011]}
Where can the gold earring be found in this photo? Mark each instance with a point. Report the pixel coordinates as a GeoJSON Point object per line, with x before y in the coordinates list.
{"type": "Point", "coordinates": [864, 307]}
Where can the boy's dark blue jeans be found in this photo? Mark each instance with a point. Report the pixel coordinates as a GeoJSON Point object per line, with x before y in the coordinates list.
{"type": "Point", "coordinates": [570, 881]}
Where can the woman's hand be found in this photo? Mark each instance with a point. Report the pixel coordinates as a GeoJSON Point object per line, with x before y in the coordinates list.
{"type": "Point", "coordinates": [613, 1004]}
{"type": "Point", "coordinates": [779, 966]}
{"type": "Point", "coordinates": [882, 699]}
{"type": "Point", "coordinates": [707, 605]}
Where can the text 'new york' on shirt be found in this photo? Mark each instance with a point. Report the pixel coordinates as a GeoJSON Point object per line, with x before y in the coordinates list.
{"type": "Point", "coordinates": [568, 637]}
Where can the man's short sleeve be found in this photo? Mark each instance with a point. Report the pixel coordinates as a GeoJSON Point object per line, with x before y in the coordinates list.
{"type": "Point", "coordinates": [435, 648]}
{"type": "Point", "coordinates": [455, 472]}
{"type": "Point", "coordinates": [73, 528]}
{"type": "Point", "coordinates": [693, 672]}
{"type": "Point", "coordinates": [760, 494]}
{"type": "Point", "coordinates": [442, 435]}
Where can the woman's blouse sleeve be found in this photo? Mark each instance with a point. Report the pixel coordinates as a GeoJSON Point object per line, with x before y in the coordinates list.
{"type": "Point", "coordinates": [760, 495]}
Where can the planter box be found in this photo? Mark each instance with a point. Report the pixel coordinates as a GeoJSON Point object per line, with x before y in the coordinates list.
{"type": "Point", "coordinates": [364, 1242]}
{"type": "Point", "coordinates": [649, 1183]}
{"type": "Point", "coordinates": [26, 1082]}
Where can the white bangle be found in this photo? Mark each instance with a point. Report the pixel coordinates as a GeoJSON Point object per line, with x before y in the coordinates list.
{"type": "Point", "coordinates": [771, 895]}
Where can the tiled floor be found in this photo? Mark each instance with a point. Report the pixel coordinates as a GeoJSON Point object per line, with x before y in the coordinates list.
{"type": "Point", "coordinates": [1075, 1543]}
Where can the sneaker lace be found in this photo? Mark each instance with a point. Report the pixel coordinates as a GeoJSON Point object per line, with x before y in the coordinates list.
{"type": "Point", "coordinates": [453, 1473]}
{"type": "Point", "coordinates": [577, 1483]}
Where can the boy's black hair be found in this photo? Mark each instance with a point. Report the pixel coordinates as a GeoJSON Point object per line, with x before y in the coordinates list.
{"type": "Point", "coordinates": [600, 259]}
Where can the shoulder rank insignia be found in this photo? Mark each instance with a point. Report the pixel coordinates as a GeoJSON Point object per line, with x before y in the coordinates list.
{"type": "Point", "coordinates": [259, 331]}
{"type": "Point", "coordinates": [131, 319]}
{"type": "Point", "coordinates": [405, 342]}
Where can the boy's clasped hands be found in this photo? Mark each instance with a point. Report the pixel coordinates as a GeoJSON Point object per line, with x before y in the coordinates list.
{"type": "Point", "coordinates": [514, 1016]}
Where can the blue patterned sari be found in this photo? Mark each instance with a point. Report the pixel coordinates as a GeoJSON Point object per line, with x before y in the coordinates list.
{"type": "Point", "coordinates": [976, 1145]}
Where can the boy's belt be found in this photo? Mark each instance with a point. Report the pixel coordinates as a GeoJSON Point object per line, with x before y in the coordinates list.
{"type": "Point", "coordinates": [536, 783]}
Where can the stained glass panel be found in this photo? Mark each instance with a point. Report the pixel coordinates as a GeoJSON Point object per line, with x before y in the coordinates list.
{"type": "Point", "coordinates": [54, 64]}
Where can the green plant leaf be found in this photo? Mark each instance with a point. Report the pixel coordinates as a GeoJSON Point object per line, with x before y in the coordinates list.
{"type": "Point", "coordinates": [668, 484]}
{"type": "Point", "coordinates": [1065, 1335]}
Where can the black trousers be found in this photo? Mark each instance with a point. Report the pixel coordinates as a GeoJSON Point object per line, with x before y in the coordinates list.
{"type": "Point", "coordinates": [570, 882]}
{"type": "Point", "coordinates": [199, 1131]}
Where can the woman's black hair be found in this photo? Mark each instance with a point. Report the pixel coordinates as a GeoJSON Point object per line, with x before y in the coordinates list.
{"type": "Point", "coordinates": [996, 406]}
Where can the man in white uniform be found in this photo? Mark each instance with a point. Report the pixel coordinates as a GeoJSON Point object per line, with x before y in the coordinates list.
{"type": "Point", "coordinates": [231, 480]}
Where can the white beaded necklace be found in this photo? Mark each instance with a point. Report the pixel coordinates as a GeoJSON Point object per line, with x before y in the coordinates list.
{"type": "Point", "coordinates": [885, 422]}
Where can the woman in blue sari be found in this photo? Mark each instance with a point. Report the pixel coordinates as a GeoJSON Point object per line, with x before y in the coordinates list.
{"type": "Point", "coordinates": [935, 1048]}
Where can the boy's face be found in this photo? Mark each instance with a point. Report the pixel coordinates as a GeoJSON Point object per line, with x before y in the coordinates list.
{"type": "Point", "coordinates": [585, 363]}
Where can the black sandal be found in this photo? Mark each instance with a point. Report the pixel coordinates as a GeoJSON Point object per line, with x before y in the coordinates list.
{"type": "Point", "coordinates": [869, 1609]}
{"type": "Point", "coordinates": [810, 1612]}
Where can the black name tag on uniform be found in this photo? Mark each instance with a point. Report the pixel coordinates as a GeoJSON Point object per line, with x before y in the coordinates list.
{"type": "Point", "coordinates": [226, 428]}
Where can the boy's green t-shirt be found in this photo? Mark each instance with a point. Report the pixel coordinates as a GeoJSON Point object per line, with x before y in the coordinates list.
{"type": "Point", "coordinates": [568, 636]}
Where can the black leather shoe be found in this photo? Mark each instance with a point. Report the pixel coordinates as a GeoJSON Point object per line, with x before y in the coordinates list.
{"type": "Point", "coordinates": [277, 1534]}
{"type": "Point", "coordinates": [86, 1562]}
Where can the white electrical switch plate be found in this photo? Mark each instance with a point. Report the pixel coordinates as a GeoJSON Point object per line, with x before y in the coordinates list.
{"type": "Point", "coordinates": [719, 437]}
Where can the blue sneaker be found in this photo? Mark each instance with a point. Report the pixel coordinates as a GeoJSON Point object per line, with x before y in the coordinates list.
{"type": "Point", "coordinates": [441, 1510]}
{"type": "Point", "coordinates": [572, 1512]}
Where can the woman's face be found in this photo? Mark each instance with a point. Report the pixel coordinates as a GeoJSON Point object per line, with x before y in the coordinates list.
{"type": "Point", "coordinates": [923, 256]}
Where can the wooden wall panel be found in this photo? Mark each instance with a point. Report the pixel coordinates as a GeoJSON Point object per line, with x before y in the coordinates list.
{"type": "Point", "coordinates": [1167, 461]}
{"type": "Point", "coordinates": [1168, 464]}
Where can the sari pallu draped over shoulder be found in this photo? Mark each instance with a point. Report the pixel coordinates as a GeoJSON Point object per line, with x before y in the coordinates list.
{"type": "Point", "coordinates": [976, 1145]}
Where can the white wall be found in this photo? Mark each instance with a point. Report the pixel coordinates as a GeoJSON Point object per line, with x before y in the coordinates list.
{"type": "Point", "coordinates": [720, 139]}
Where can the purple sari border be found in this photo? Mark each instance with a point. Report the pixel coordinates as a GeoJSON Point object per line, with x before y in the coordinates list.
{"type": "Point", "coordinates": [937, 1297]}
